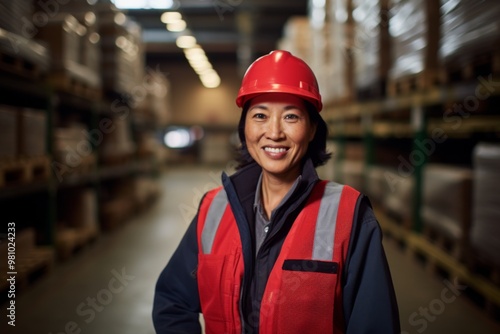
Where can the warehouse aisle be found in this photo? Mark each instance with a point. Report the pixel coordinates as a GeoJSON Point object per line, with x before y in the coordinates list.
{"type": "Point", "coordinates": [108, 287]}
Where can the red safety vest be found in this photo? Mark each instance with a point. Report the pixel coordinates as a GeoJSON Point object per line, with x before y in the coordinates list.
{"type": "Point", "coordinates": [304, 291]}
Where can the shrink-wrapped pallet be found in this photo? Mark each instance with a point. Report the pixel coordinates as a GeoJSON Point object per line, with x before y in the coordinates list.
{"type": "Point", "coordinates": [122, 50]}
{"type": "Point", "coordinates": [371, 49]}
{"type": "Point", "coordinates": [64, 35]}
{"type": "Point", "coordinates": [446, 200]}
{"type": "Point", "coordinates": [414, 31]}
{"type": "Point", "coordinates": [15, 16]}
{"type": "Point", "coordinates": [468, 28]}
{"type": "Point", "coordinates": [485, 230]}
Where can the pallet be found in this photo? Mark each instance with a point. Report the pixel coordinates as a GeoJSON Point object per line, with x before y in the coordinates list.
{"type": "Point", "coordinates": [116, 159]}
{"type": "Point", "coordinates": [71, 240]}
{"type": "Point", "coordinates": [415, 83]}
{"type": "Point", "coordinates": [454, 248]}
{"type": "Point", "coordinates": [20, 66]}
{"type": "Point", "coordinates": [65, 82]}
{"type": "Point", "coordinates": [375, 91]}
{"type": "Point", "coordinates": [416, 245]}
{"type": "Point", "coordinates": [470, 69]}
{"type": "Point", "coordinates": [24, 170]}
{"type": "Point", "coordinates": [30, 265]}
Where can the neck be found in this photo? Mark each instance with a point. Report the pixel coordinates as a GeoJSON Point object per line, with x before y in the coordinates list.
{"type": "Point", "coordinates": [274, 189]}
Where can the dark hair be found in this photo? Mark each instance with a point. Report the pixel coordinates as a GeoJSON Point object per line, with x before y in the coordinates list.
{"type": "Point", "coordinates": [317, 147]}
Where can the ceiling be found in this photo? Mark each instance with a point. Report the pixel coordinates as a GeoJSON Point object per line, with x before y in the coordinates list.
{"type": "Point", "coordinates": [238, 29]}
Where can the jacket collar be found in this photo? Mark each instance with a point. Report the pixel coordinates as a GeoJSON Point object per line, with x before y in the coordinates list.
{"type": "Point", "coordinates": [244, 183]}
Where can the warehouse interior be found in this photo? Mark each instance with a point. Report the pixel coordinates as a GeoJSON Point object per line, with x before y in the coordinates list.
{"type": "Point", "coordinates": [117, 116]}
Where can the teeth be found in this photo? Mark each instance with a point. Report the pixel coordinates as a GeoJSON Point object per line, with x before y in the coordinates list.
{"type": "Point", "coordinates": [275, 150]}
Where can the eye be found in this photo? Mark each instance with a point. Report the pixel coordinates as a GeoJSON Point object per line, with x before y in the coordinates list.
{"type": "Point", "coordinates": [292, 117]}
{"type": "Point", "coordinates": [259, 116]}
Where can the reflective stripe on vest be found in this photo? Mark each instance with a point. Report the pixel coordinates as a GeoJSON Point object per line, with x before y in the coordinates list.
{"type": "Point", "coordinates": [212, 221]}
{"type": "Point", "coordinates": [304, 287]}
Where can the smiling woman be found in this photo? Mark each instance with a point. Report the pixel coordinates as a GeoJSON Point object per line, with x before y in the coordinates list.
{"type": "Point", "coordinates": [276, 249]}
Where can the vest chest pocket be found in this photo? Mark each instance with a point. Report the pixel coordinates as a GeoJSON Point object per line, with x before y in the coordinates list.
{"type": "Point", "coordinates": [307, 298]}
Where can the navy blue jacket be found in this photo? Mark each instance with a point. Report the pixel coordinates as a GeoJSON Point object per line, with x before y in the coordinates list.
{"type": "Point", "coordinates": [368, 295]}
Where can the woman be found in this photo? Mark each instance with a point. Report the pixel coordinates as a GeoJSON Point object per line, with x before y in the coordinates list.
{"type": "Point", "coordinates": [275, 249]}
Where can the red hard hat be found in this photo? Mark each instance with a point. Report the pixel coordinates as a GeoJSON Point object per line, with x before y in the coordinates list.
{"type": "Point", "coordinates": [279, 72]}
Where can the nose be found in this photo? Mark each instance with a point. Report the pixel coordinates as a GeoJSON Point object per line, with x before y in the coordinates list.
{"type": "Point", "coordinates": [275, 130]}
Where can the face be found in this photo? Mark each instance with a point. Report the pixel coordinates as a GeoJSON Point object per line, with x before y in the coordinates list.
{"type": "Point", "coordinates": [277, 133]}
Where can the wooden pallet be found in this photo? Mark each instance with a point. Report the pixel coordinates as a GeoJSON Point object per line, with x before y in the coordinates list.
{"type": "Point", "coordinates": [375, 91]}
{"type": "Point", "coordinates": [415, 83]}
{"type": "Point", "coordinates": [471, 68]}
{"type": "Point", "coordinates": [30, 263]}
{"type": "Point", "coordinates": [65, 82]}
{"type": "Point", "coordinates": [38, 262]}
{"type": "Point", "coordinates": [116, 159]}
{"type": "Point", "coordinates": [20, 66]}
{"type": "Point", "coordinates": [24, 170]}
{"type": "Point", "coordinates": [454, 248]}
{"type": "Point", "coordinates": [71, 240]}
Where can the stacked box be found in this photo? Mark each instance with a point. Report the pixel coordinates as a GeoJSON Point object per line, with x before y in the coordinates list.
{"type": "Point", "coordinates": [90, 44]}
{"type": "Point", "coordinates": [447, 200]}
{"type": "Point", "coordinates": [297, 37]}
{"type": "Point", "coordinates": [353, 174]}
{"type": "Point", "coordinates": [8, 132]}
{"type": "Point", "coordinates": [339, 69]}
{"type": "Point", "coordinates": [32, 132]}
{"type": "Point", "coordinates": [15, 14]}
{"type": "Point", "coordinates": [64, 35]}
{"type": "Point", "coordinates": [414, 31]}
{"type": "Point", "coordinates": [118, 142]}
{"type": "Point", "coordinates": [370, 49]}
{"type": "Point", "coordinates": [468, 28]}
{"type": "Point", "coordinates": [17, 30]}
{"type": "Point", "coordinates": [398, 201]}
{"type": "Point", "coordinates": [376, 185]}
{"type": "Point", "coordinates": [79, 209]}
{"type": "Point", "coordinates": [71, 145]}
{"type": "Point", "coordinates": [485, 230]}
{"type": "Point", "coordinates": [154, 100]}
{"type": "Point", "coordinates": [123, 59]}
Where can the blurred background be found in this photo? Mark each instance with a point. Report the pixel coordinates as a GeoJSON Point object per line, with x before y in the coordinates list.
{"type": "Point", "coordinates": [116, 117]}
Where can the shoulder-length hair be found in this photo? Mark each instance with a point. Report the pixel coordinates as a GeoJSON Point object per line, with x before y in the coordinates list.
{"type": "Point", "coordinates": [316, 150]}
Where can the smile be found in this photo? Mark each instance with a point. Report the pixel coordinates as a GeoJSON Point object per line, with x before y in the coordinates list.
{"type": "Point", "coordinates": [275, 149]}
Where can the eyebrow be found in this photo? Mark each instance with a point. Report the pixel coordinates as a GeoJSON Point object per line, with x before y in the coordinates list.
{"type": "Point", "coordinates": [286, 108]}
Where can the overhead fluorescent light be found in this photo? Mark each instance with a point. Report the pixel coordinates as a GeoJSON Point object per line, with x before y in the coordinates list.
{"type": "Point", "coordinates": [177, 26]}
{"type": "Point", "coordinates": [144, 4]}
{"type": "Point", "coordinates": [185, 41]}
{"type": "Point", "coordinates": [169, 17]}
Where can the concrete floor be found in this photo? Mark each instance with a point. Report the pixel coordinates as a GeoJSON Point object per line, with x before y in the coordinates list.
{"type": "Point", "coordinates": [108, 287]}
